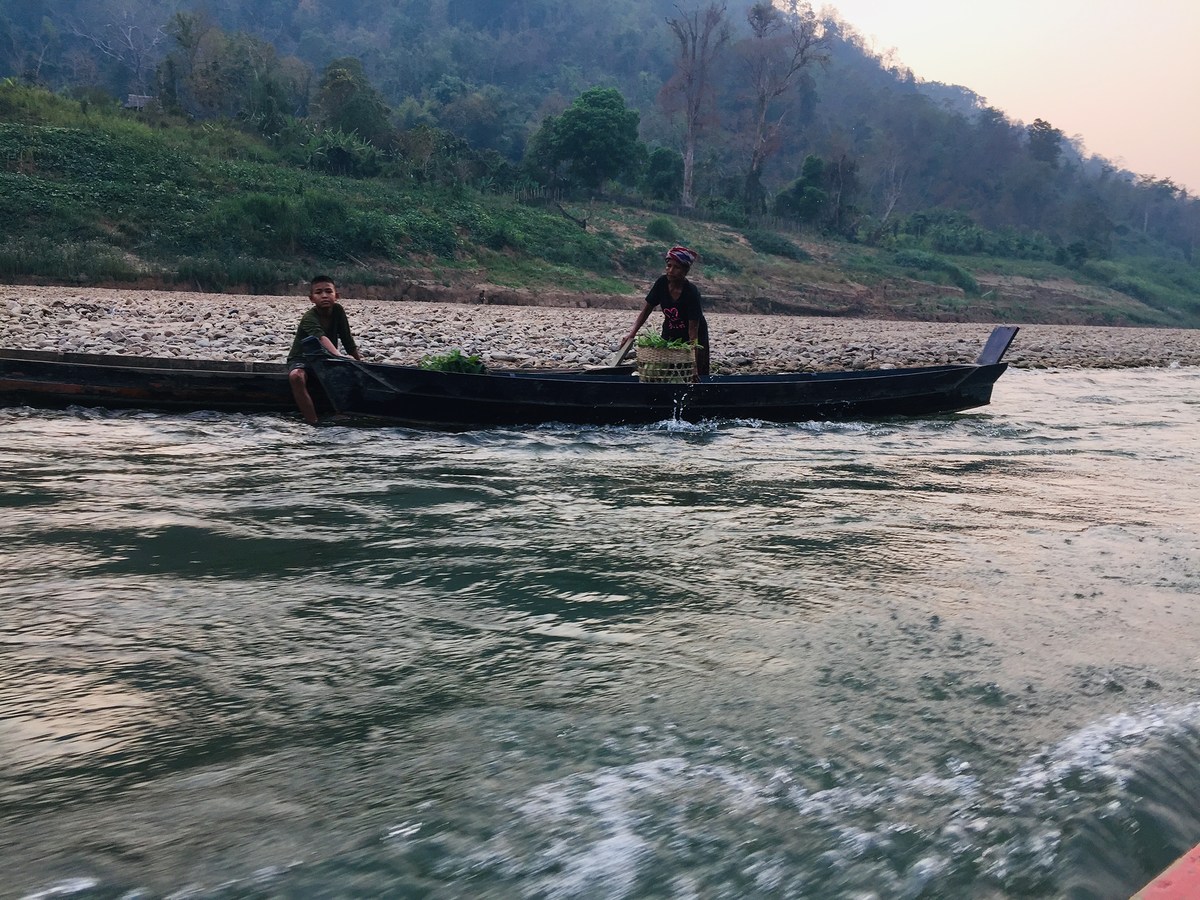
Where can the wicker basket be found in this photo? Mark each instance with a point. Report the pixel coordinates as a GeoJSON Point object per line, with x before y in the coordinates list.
{"type": "Point", "coordinates": [659, 365]}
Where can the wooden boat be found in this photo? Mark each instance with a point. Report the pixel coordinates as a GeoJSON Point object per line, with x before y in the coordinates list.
{"type": "Point", "coordinates": [52, 379]}
{"type": "Point", "coordinates": [418, 397]}
{"type": "Point", "coordinates": [414, 396]}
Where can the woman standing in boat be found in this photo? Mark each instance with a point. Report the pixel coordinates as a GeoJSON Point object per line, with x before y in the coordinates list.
{"type": "Point", "coordinates": [683, 317]}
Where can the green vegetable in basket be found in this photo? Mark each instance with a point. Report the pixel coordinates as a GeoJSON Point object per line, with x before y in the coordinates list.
{"type": "Point", "coordinates": [658, 342]}
{"type": "Point", "coordinates": [454, 361]}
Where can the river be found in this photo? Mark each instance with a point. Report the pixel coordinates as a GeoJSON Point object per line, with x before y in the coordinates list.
{"type": "Point", "coordinates": [945, 658]}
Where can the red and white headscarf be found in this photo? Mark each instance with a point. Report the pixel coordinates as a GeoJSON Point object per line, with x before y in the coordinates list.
{"type": "Point", "coordinates": [682, 255]}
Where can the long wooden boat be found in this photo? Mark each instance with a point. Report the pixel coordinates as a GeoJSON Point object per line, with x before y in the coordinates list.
{"type": "Point", "coordinates": [418, 397]}
{"type": "Point", "coordinates": [51, 379]}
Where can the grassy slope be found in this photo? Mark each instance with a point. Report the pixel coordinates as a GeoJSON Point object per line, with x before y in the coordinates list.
{"type": "Point", "coordinates": [99, 198]}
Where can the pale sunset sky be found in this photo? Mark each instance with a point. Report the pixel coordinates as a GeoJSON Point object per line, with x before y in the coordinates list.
{"type": "Point", "coordinates": [1123, 76]}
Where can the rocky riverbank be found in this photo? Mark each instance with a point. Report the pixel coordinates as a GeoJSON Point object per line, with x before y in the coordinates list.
{"type": "Point", "coordinates": [232, 326]}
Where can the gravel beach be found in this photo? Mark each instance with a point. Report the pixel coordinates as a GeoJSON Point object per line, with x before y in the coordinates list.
{"type": "Point", "coordinates": [245, 327]}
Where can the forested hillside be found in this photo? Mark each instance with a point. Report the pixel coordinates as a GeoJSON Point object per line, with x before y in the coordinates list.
{"type": "Point", "coordinates": [763, 118]}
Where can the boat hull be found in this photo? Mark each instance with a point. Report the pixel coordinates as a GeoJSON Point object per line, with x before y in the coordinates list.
{"type": "Point", "coordinates": [413, 396]}
{"type": "Point", "coordinates": [416, 397]}
{"type": "Point", "coordinates": [49, 379]}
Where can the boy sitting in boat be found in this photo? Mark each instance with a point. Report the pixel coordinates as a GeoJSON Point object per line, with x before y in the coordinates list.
{"type": "Point", "coordinates": [327, 322]}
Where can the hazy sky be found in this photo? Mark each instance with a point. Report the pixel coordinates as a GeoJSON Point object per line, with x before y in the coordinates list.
{"type": "Point", "coordinates": [1123, 76]}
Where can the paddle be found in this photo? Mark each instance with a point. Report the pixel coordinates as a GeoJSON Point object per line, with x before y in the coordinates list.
{"type": "Point", "coordinates": [620, 354]}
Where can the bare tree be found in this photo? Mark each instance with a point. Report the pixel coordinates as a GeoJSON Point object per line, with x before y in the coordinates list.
{"type": "Point", "coordinates": [892, 178]}
{"type": "Point", "coordinates": [129, 40]}
{"type": "Point", "coordinates": [701, 34]}
{"type": "Point", "coordinates": [29, 49]}
{"type": "Point", "coordinates": [782, 44]}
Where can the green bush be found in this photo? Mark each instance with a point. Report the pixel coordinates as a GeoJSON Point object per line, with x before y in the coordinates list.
{"type": "Point", "coordinates": [663, 229]}
{"type": "Point", "coordinates": [218, 272]}
{"type": "Point", "coordinates": [1175, 274]}
{"type": "Point", "coordinates": [426, 232]}
{"type": "Point", "coordinates": [1012, 243]}
{"type": "Point", "coordinates": [532, 232]}
{"type": "Point", "coordinates": [70, 262]}
{"type": "Point", "coordinates": [1101, 270]}
{"type": "Point", "coordinates": [775, 244]}
{"type": "Point", "coordinates": [713, 259]}
{"type": "Point", "coordinates": [501, 236]}
{"type": "Point", "coordinates": [950, 231]}
{"type": "Point", "coordinates": [727, 212]}
{"type": "Point", "coordinates": [646, 257]}
{"type": "Point", "coordinates": [1138, 289]}
{"type": "Point", "coordinates": [339, 153]}
{"type": "Point", "coordinates": [929, 262]}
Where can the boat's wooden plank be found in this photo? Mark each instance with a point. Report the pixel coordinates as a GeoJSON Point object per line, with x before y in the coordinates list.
{"type": "Point", "coordinates": [53, 379]}
{"type": "Point", "coordinates": [115, 361]}
{"type": "Point", "coordinates": [997, 345]}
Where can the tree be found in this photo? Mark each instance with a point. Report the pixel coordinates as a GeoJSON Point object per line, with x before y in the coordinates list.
{"type": "Point", "coordinates": [595, 139]}
{"type": "Point", "coordinates": [782, 44]}
{"type": "Point", "coordinates": [663, 179]}
{"type": "Point", "coordinates": [1157, 194]}
{"type": "Point", "coordinates": [348, 102]}
{"type": "Point", "coordinates": [1045, 142]}
{"type": "Point", "coordinates": [29, 49]}
{"type": "Point", "coordinates": [702, 35]}
{"type": "Point", "coordinates": [211, 73]}
{"type": "Point", "coordinates": [805, 199]}
{"type": "Point", "coordinates": [129, 37]}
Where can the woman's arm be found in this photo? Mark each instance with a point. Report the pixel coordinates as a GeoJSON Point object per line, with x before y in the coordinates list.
{"type": "Point", "coordinates": [641, 320]}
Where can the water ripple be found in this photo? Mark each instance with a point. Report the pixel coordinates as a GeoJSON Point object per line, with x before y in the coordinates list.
{"type": "Point", "coordinates": [950, 657]}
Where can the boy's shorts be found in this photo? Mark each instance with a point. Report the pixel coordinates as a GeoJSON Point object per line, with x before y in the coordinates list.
{"type": "Point", "coordinates": [296, 364]}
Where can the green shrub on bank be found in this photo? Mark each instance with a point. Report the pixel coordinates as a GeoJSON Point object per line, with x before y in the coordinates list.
{"type": "Point", "coordinates": [510, 227]}
{"type": "Point", "coordinates": [931, 263]}
{"type": "Point", "coordinates": [641, 259]}
{"type": "Point", "coordinates": [1173, 287]}
{"type": "Point", "coordinates": [84, 262]}
{"type": "Point", "coordinates": [315, 222]}
{"type": "Point", "coordinates": [219, 272]}
{"type": "Point", "coordinates": [773, 244]}
{"type": "Point", "coordinates": [953, 232]}
{"type": "Point", "coordinates": [714, 260]}
{"type": "Point", "coordinates": [663, 229]}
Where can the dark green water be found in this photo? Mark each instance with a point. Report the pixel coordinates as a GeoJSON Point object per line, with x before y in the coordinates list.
{"type": "Point", "coordinates": [949, 658]}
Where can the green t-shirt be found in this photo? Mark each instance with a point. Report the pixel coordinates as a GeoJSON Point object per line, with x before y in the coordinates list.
{"type": "Point", "coordinates": [310, 326]}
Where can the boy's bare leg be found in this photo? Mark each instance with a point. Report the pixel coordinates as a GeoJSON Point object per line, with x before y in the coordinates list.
{"type": "Point", "coordinates": [299, 382]}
